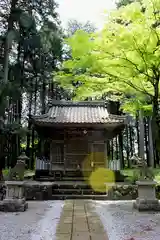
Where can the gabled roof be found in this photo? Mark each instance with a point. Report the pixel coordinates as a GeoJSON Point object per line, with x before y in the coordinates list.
{"type": "Point", "coordinates": [84, 112]}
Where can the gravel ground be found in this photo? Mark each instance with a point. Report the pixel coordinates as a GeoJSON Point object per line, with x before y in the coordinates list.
{"type": "Point", "coordinates": [37, 223]}
{"type": "Point", "coordinates": [122, 222]}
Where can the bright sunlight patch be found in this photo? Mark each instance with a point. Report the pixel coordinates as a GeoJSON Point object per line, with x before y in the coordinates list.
{"type": "Point", "coordinates": [101, 179]}
{"type": "Point", "coordinates": [92, 161]}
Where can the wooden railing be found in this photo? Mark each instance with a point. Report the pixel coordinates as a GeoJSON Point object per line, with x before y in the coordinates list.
{"type": "Point", "coordinates": [44, 164]}
{"type": "Point", "coordinates": [114, 165]}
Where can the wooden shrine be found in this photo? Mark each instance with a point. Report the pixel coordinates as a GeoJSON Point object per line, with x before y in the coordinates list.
{"type": "Point", "coordinates": [74, 136]}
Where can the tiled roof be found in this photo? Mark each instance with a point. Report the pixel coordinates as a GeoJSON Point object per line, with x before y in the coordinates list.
{"type": "Point", "coordinates": [66, 112]}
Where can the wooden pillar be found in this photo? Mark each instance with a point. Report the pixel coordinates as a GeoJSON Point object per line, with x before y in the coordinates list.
{"type": "Point", "coordinates": [91, 152]}
{"type": "Point", "coordinates": [50, 156]}
{"type": "Point", "coordinates": [106, 154]}
{"type": "Point", "coordinates": [64, 150]}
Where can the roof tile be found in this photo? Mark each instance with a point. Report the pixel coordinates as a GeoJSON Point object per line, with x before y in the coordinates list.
{"type": "Point", "coordinates": [79, 112]}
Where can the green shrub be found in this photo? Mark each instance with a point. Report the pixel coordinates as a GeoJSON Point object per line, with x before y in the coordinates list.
{"type": "Point", "coordinates": [132, 178]}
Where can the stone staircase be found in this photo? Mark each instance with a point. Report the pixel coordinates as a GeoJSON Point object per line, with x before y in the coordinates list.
{"type": "Point", "coordinates": [75, 190]}
{"type": "Point", "coordinates": [72, 185]}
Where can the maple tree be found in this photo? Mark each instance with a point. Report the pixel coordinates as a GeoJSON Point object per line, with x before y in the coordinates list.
{"type": "Point", "coordinates": [122, 60]}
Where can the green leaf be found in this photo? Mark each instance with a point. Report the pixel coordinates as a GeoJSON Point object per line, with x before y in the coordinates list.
{"type": "Point", "coordinates": [122, 60]}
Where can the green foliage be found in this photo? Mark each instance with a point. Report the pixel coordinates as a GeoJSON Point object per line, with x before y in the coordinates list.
{"type": "Point", "coordinates": [31, 47]}
{"type": "Point", "coordinates": [133, 175]}
{"type": "Point", "coordinates": [122, 59]}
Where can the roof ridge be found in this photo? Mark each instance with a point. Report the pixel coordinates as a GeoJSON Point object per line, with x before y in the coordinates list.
{"type": "Point", "coordinates": [77, 103]}
{"type": "Point", "coordinates": [117, 116]}
{"type": "Point", "coordinates": [45, 115]}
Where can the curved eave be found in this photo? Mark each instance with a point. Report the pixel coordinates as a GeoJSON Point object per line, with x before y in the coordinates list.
{"type": "Point", "coordinates": [112, 121]}
{"type": "Point", "coordinates": [84, 125]}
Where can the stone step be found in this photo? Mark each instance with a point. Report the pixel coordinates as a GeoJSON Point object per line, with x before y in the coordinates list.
{"type": "Point", "coordinates": [77, 191]}
{"type": "Point", "coordinates": [73, 196]}
{"type": "Point", "coordinates": [77, 187]}
{"type": "Point", "coordinates": [73, 178]}
{"type": "Point", "coordinates": [45, 179]}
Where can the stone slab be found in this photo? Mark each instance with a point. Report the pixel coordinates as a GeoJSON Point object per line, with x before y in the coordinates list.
{"type": "Point", "coordinates": [66, 215]}
{"type": "Point", "coordinates": [67, 208]}
{"type": "Point", "coordinates": [146, 183]}
{"type": "Point", "coordinates": [79, 211]}
{"type": "Point", "coordinates": [141, 206]}
{"type": "Point", "coordinates": [37, 183]}
{"type": "Point", "coordinates": [94, 220]}
{"type": "Point", "coordinates": [96, 228]}
{"type": "Point", "coordinates": [99, 236]}
{"type": "Point", "coordinates": [82, 216]}
{"type": "Point", "coordinates": [66, 220]}
{"type": "Point", "coordinates": [14, 183]}
{"type": "Point", "coordinates": [79, 222]}
{"type": "Point", "coordinates": [91, 214]}
{"type": "Point", "coordinates": [64, 228]}
{"type": "Point", "coordinates": [81, 236]}
{"type": "Point", "coordinates": [13, 207]}
{"type": "Point", "coordinates": [80, 227]}
{"type": "Point", "coordinates": [63, 237]}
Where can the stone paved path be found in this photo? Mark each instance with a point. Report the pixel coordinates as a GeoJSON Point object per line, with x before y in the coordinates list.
{"type": "Point", "coordinates": [78, 221]}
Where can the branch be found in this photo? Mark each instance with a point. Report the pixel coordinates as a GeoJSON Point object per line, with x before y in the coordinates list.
{"type": "Point", "coordinates": [136, 67]}
{"type": "Point", "coordinates": [128, 60]}
{"type": "Point", "coordinates": [129, 83]}
{"type": "Point", "coordinates": [141, 54]}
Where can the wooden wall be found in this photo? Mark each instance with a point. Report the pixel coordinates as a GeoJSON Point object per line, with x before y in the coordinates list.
{"type": "Point", "coordinates": [78, 148]}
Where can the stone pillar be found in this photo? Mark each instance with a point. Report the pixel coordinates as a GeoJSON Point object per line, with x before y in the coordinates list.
{"type": "Point", "coordinates": [15, 200]}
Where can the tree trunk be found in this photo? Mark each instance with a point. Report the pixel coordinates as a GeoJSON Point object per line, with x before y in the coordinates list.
{"type": "Point", "coordinates": [131, 140]}
{"type": "Point", "coordinates": [127, 148]}
{"type": "Point", "coordinates": [35, 97]}
{"type": "Point", "coordinates": [29, 122]}
{"type": "Point", "coordinates": [146, 140]}
{"type": "Point", "coordinates": [137, 133]}
{"type": "Point", "coordinates": [33, 151]}
{"type": "Point", "coordinates": [141, 133]}
{"type": "Point", "coordinates": [150, 143]}
{"type": "Point", "coordinates": [155, 119]}
{"type": "Point", "coordinates": [120, 138]}
{"type": "Point", "coordinates": [43, 96]}
{"type": "Point", "coordinates": [8, 43]}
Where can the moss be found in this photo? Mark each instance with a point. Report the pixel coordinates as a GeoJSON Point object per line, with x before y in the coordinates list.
{"type": "Point", "coordinates": [27, 174]}
{"type": "Point", "coordinates": [127, 192]}
{"type": "Point", "coordinates": [132, 175]}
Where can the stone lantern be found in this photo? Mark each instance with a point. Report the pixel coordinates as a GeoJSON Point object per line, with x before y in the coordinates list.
{"type": "Point", "coordinates": [22, 158]}
{"type": "Point", "coordinates": [15, 197]}
{"type": "Point", "coordinates": [146, 189]}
